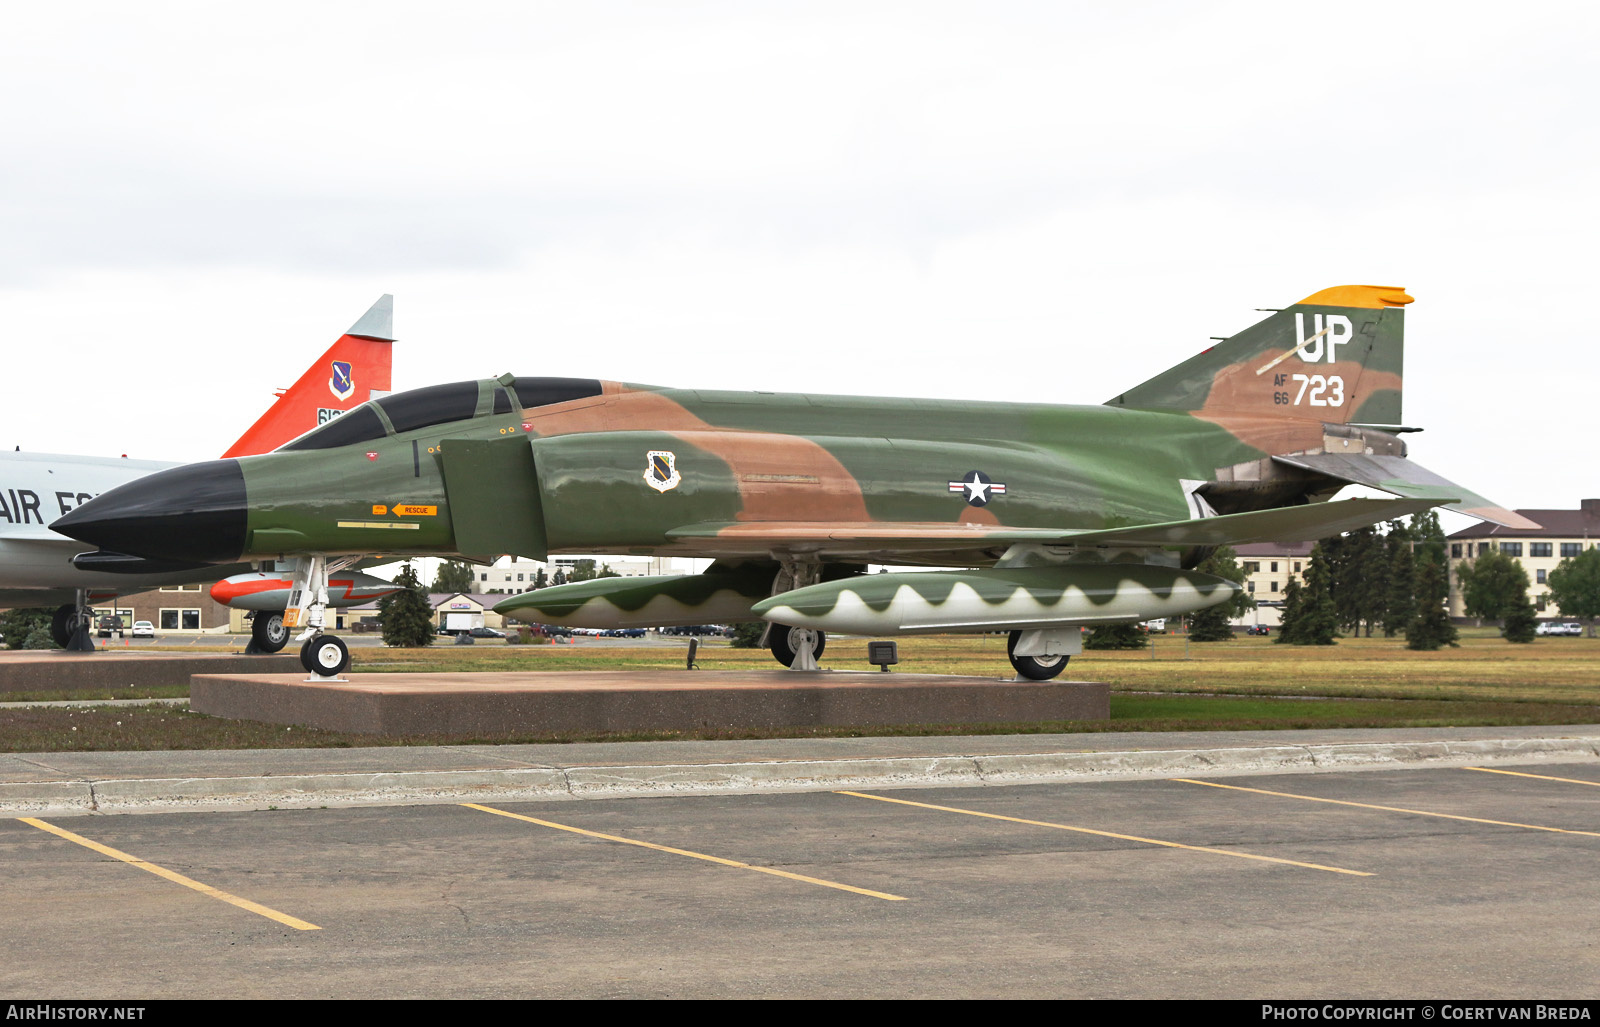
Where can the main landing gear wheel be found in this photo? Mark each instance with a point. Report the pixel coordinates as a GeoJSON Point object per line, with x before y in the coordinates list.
{"type": "Point", "coordinates": [61, 624]}
{"type": "Point", "coordinates": [268, 634]}
{"type": "Point", "coordinates": [1034, 668]}
{"type": "Point", "coordinates": [324, 655]}
{"type": "Point", "coordinates": [69, 627]}
{"type": "Point", "coordinates": [785, 642]}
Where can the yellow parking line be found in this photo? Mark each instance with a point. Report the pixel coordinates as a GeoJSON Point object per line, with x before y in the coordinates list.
{"type": "Point", "coordinates": [173, 876]}
{"type": "Point", "coordinates": [1541, 777]}
{"type": "Point", "coordinates": [1111, 834]}
{"type": "Point", "coordinates": [686, 852]}
{"type": "Point", "coordinates": [1387, 809]}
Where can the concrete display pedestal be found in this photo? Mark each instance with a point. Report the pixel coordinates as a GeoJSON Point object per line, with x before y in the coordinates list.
{"type": "Point", "coordinates": [638, 700]}
{"type": "Point", "coordinates": [58, 670]}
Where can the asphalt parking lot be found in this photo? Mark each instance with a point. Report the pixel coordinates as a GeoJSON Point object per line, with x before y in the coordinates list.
{"type": "Point", "coordinates": [1445, 882]}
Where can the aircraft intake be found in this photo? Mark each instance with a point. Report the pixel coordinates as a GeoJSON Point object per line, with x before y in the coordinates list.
{"type": "Point", "coordinates": [996, 599]}
{"type": "Point", "coordinates": [193, 514]}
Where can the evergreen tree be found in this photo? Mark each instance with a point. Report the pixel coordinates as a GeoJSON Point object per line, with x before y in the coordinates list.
{"type": "Point", "coordinates": [540, 579]}
{"type": "Point", "coordinates": [1116, 636]}
{"type": "Point", "coordinates": [1401, 604]}
{"type": "Point", "coordinates": [1309, 614]}
{"type": "Point", "coordinates": [453, 576]}
{"type": "Point", "coordinates": [1431, 627]}
{"type": "Point", "coordinates": [1294, 601]}
{"type": "Point", "coordinates": [583, 570]}
{"type": "Point", "coordinates": [19, 626]}
{"type": "Point", "coordinates": [1492, 585]}
{"type": "Point", "coordinates": [747, 634]}
{"type": "Point", "coordinates": [1211, 624]}
{"type": "Point", "coordinates": [1357, 578]}
{"type": "Point", "coordinates": [1575, 587]}
{"type": "Point", "coordinates": [405, 617]}
{"type": "Point", "coordinates": [1429, 539]}
{"type": "Point", "coordinates": [1521, 623]}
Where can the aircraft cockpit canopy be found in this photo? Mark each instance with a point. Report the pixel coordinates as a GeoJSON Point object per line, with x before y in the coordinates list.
{"type": "Point", "coordinates": [542, 392]}
{"type": "Point", "coordinates": [359, 425]}
{"type": "Point", "coordinates": [440, 404]}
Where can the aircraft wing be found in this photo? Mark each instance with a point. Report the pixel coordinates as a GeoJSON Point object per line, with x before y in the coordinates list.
{"type": "Point", "coordinates": [1400, 477]}
{"type": "Point", "coordinates": [883, 540]}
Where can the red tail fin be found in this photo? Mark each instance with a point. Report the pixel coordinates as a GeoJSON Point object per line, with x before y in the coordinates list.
{"type": "Point", "coordinates": [352, 371]}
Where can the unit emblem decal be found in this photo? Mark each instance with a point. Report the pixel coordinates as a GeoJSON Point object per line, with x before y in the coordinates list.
{"type": "Point", "coordinates": [978, 488]}
{"type": "Point", "coordinates": [661, 471]}
{"type": "Point", "coordinates": [343, 382]}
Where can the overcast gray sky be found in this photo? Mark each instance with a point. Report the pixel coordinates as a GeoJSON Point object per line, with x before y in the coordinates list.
{"type": "Point", "coordinates": [1039, 201]}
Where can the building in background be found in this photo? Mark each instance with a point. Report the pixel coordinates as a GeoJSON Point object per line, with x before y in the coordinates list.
{"type": "Point", "coordinates": [1561, 534]}
{"type": "Point", "coordinates": [1268, 568]}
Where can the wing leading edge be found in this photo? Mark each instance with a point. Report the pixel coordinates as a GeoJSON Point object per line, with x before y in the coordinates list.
{"type": "Point", "coordinates": [885, 538]}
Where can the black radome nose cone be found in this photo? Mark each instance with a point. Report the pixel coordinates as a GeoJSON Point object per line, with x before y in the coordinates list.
{"type": "Point", "coordinates": [194, 513]}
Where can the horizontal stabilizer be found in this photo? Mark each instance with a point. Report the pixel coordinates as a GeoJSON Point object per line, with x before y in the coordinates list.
{"type": "Point", "coordinates": [1400, 477]}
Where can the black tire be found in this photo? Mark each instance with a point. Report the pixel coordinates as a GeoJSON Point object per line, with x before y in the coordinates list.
{"type": "Point", "coordinates": [783, 649]}
{"type": "Point", "coordinates": [268, 632]}
{"type": "Point", "coordinates": [324, 655]}
{"type": "Point", "coordinates": [1034, 668]}
{"type": "Point", "coordinates": [61, 624]}
{"type": "Point", "coordinates": [71, 627]}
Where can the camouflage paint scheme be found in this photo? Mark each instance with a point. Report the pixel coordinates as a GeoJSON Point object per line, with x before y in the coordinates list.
{"type": "Point", "coordinates": [1229, 446]}
{"type": "Point", "coordinates": [995, 599]}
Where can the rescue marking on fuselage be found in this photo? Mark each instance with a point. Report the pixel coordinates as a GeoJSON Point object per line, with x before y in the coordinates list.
{"type": "Point", "coordinates": [661, 470]}
{"type": "Point", "coordinates": [978, 487]}
{"type": "Point", "coordinates": [415, 510]}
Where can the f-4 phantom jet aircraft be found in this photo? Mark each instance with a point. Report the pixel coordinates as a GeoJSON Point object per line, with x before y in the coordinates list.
{"type": "Point", "coordinates": [1061, 516]}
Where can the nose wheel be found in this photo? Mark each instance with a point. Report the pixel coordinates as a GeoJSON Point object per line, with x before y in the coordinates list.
{"type": "Point", "coordinates": [324, 655]}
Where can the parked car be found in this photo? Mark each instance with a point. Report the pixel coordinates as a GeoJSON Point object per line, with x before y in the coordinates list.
{"type": "Point", "coordinates": [107, 625]}
{"type": "Point", "coordinates": [486, 633]}
{"type": "Point", "coordinates": [1556, 627]}
{"type": "Point", "coordinates": [143, 629]}
{"type": "Point", "coordinates": [1258, 629]}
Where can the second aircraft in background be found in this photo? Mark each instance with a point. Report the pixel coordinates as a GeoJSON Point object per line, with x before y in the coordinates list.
{"type": "Point", "coordinates": [36, 564]}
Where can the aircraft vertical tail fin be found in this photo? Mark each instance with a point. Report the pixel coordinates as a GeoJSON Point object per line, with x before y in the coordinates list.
{"type": "Point", "coordinates": [353, 370]}
{"type": "Point", "coordinates": [1336, 357]}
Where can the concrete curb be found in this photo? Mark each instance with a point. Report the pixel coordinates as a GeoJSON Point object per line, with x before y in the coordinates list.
{"type": "Point", "coordinates": [151, 795]}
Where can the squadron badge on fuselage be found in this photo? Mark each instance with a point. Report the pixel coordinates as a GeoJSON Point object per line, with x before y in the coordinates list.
{"type": "Point", "coordinates": [343, 382]}
{"type": "Point", "coordinates": [978, 487]}
{"type": "Point", "coordinates": [661, 471]}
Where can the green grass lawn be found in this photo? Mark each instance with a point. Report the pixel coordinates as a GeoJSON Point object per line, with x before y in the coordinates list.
{"type": "Point", "coordinates": [1247, 684]}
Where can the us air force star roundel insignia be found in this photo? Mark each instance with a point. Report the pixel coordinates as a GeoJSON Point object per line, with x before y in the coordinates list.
{"type": "Point", "coordinates": [979, 488]}
{"type": "Point", "coordinates": [661, 472]}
